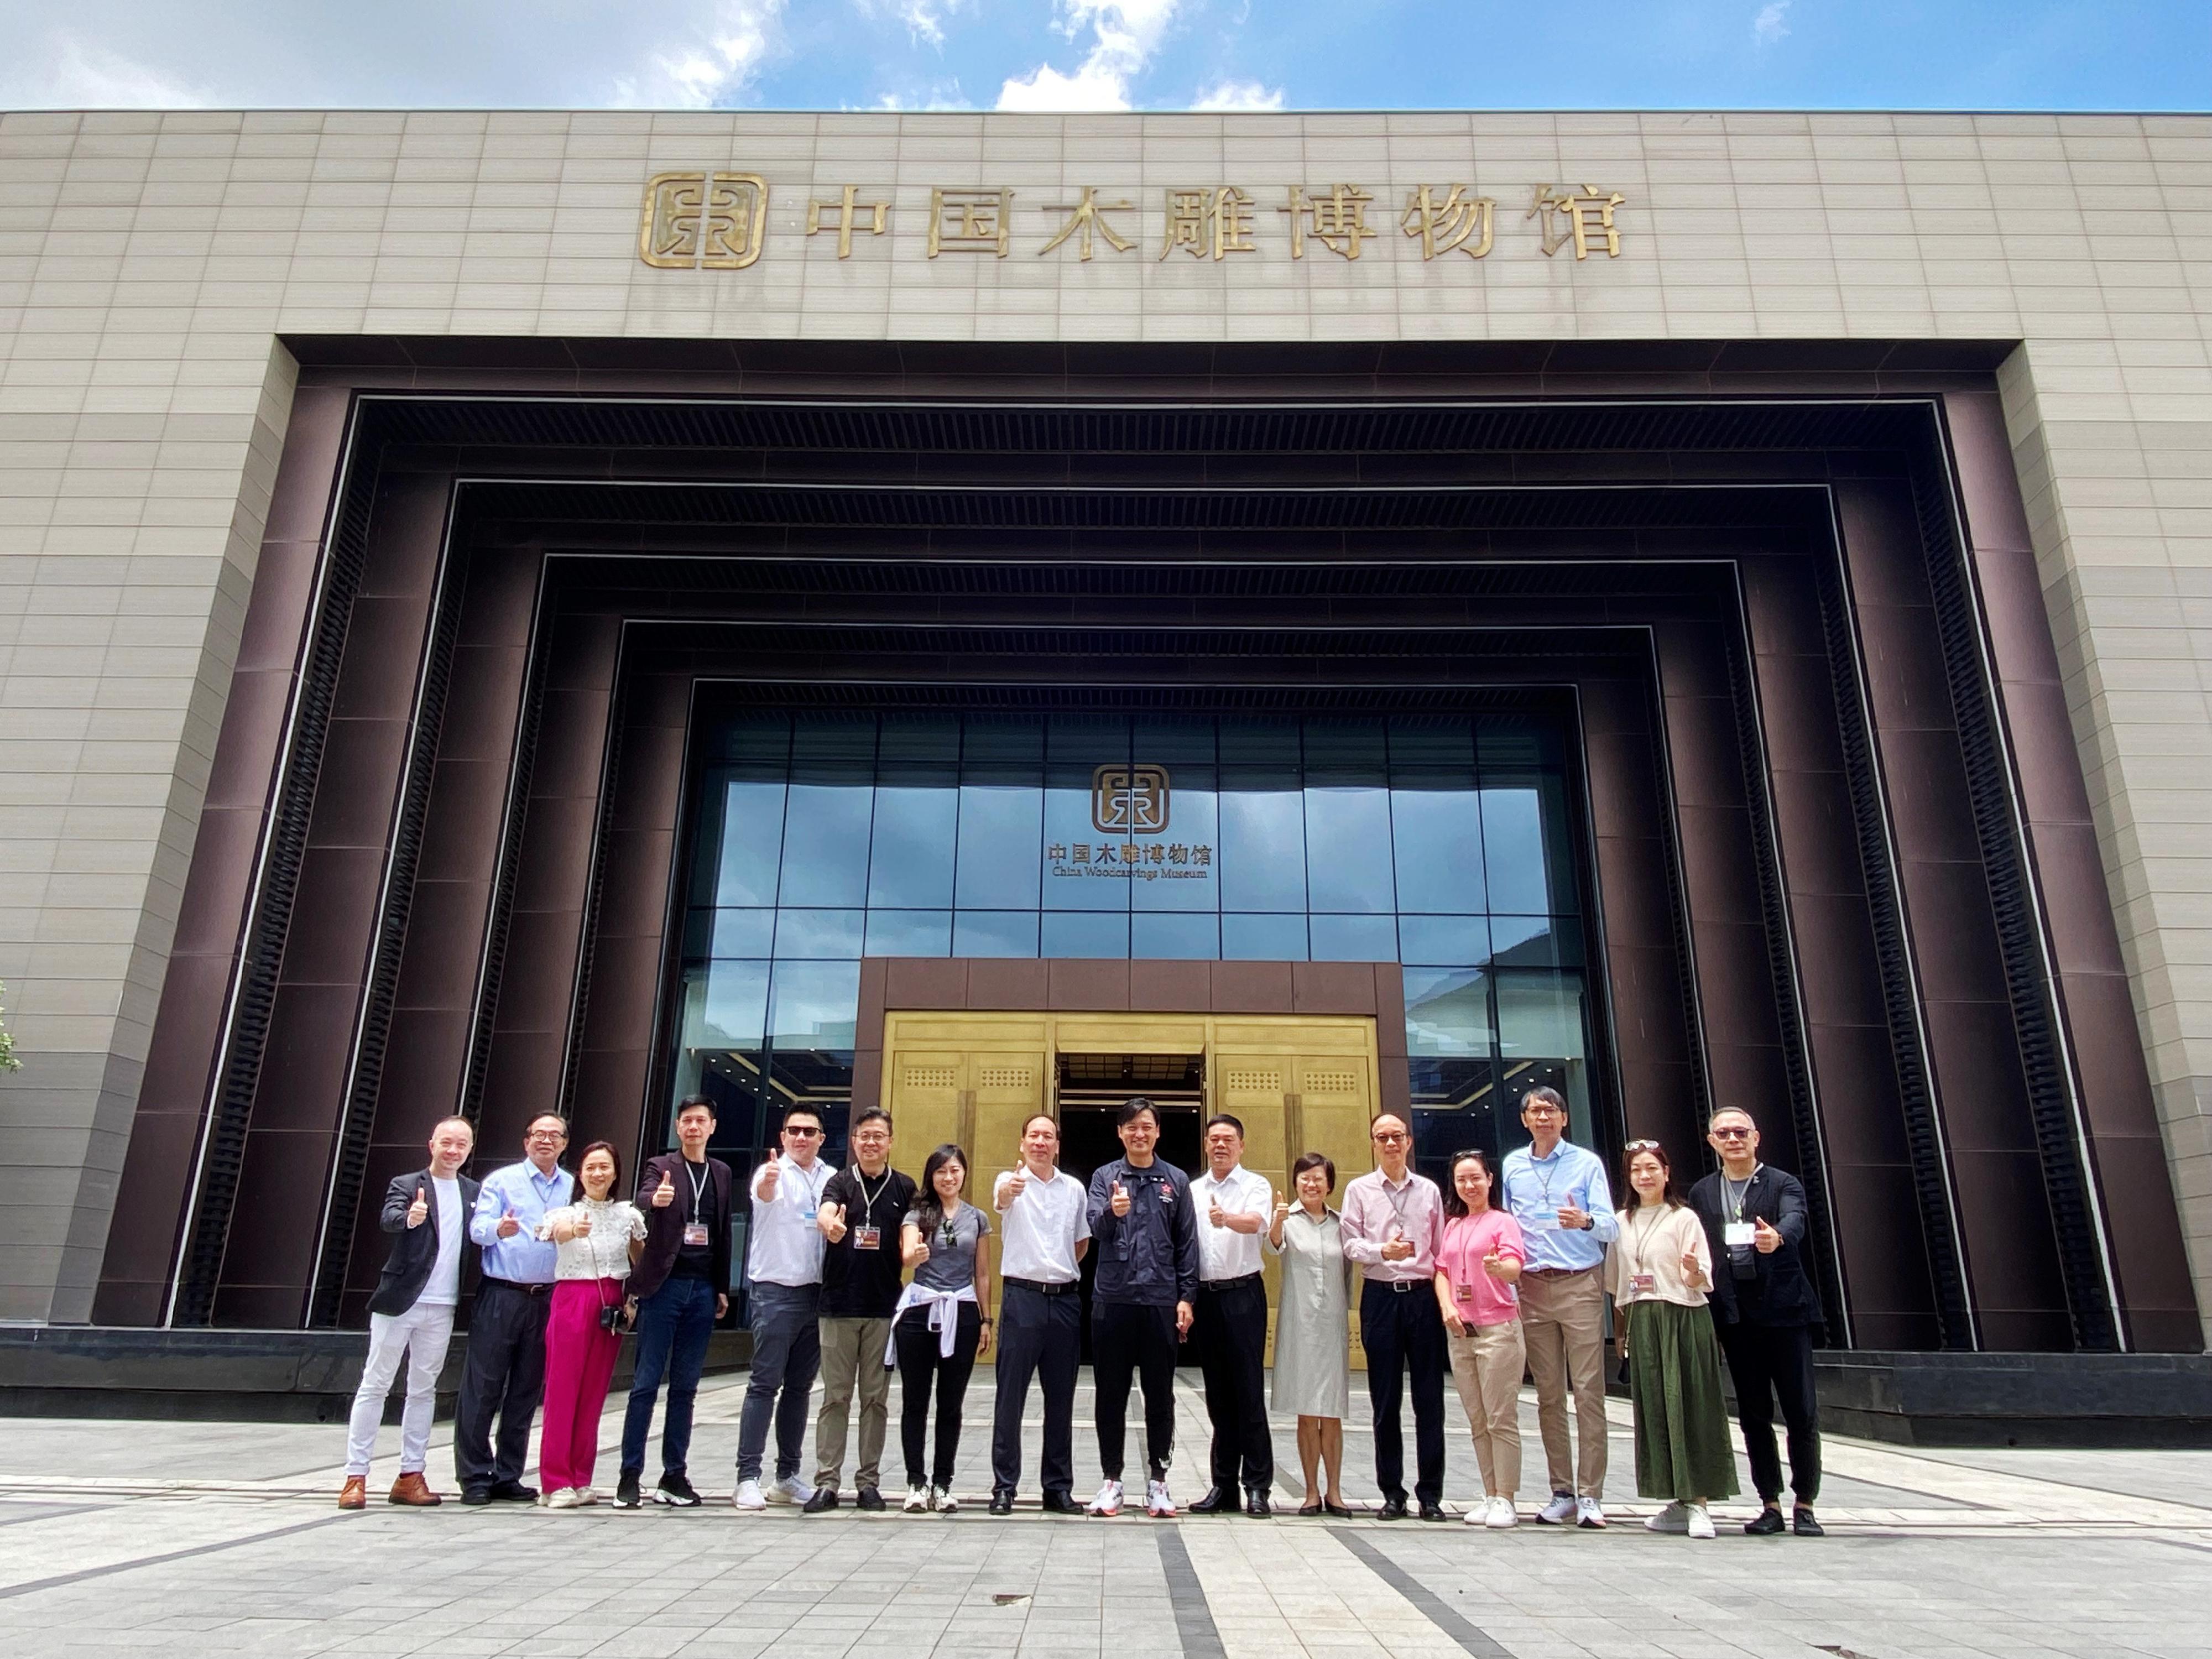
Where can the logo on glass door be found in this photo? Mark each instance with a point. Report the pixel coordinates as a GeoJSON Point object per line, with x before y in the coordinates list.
{"type": "Point", "coordinates": [1129, 800]}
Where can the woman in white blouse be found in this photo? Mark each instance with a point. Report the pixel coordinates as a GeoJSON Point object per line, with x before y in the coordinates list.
{"type": "Point", "coordinates": [599, 1239]}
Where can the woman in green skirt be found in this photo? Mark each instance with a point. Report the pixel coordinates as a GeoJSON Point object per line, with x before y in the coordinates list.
{"type": "Point", "coordinates": [1659, 1270]}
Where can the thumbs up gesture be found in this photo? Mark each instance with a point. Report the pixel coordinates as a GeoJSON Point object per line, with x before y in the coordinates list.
{"type": "Point", "coordinates": [831, 1218]}
{"type": "Point", "coordinates": [581, 1227]}
{"type": "Point", "coordinates": [1214, 1212]}
{"type": "Point", "coordinates": [664, 1193]}
{"type": "Point", "coordinates": [771, 1177]}
{"type": "Point", "coordinates": [419, 1211]}
{"type": "Point", "coordinates": [1764, 1239]}
{"type": "Point", "coordinates": [1282, 1212]}
{"type": "Point", "coordinates": [1493, 1264]}
{"type": "Point", "coordinates": [1693, 1272]}
{"type": "Point", "coordinates": [1120, 1198]}
{"type": "Point", "coordinates": [1017, 1182]}
{"type": "Point", "coordinates": [509, 1226]}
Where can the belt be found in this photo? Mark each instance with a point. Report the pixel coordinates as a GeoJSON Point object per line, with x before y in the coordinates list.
{"type": "Point", "coordinates": [517, 1284]}
{"type": "Point", "coordinates": [1230, 1284]}
{"type": "Point", "coordinates": [1401, 1286]}
{"type": "Point", "coordinates": [1067, 1288]}
{"type": "Point", "coordinates": [1556, 1272]}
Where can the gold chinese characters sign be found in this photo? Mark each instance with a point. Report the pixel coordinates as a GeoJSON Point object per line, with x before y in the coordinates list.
{"type": "Point", "coordinates": [718, 222]}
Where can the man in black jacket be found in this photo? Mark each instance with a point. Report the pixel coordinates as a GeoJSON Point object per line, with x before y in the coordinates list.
{"type": "Point", "coordinates": [410, 1317]}
{"type": "Point", "coordinates": [1765, 1310]}
{"type": "Point", "coordinates": [682, 1284]}
{"type": "Point", "coordinates": [1146, 1236]}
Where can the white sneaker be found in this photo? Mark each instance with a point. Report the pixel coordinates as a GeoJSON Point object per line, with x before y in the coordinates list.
{"type": "Point", "coordinates": [789, 1489]}
{"type": "Point", "coordinates": [1502, 1514]}
{"type": "Point", "coordinates": [1109, 1501]}
{"type": "Point", "coordinates": [942, 1500]}
{"type": "Point", "coordinates": [749, 1496]}
{"type": "Point", "coordinates": [1157, 1503]}
{"type": "Point", "coordinates": [1589, 1512]}
{"type": "Point", "coordinates": [586, 1498]}
{"type": "Point", "coordinates": [1675, 1517]}
{"type": "Point", "coordinates": [917, 1500]}
{"type": "Point", "coordinates": [1560, 1510]}
{"type": "Point", "coordinates": [1701, 1522]}
{"type": "Point", "coordinates": [566, 1498]}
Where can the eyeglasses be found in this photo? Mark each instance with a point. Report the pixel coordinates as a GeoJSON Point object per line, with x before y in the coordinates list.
{"type": "Point", "coordinates": [1389, 1137]}
{"type": "Point", "coordinates": [1731, 1134]}
{"type": "Point", "coordinates": [1539, 1111]}
{"type": "Point", "coordinates": [547, 1134]}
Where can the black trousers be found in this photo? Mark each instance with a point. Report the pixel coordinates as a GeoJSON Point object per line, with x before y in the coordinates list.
{"type": "Point", "coordinates": [1403, 1332]}
{"type": "Point", "coordinates": [1231, 1333]}
{"type": "Point", "coordinates": [1127, 1341]}
{"type": "Point", "coordinates": [920, 1364]}
{"type": "Point", "coordinates": [1768, 1363]}
{"type": "Point", "coordinates": [1041, 1337]}
{"type": "Point", "coordinates": [503, 1377]}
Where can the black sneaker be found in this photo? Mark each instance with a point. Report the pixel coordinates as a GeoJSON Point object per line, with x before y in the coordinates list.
{"type": "Point", "coordinates": [675, 1491]}
{"type": "Point", "coordinates": [867, 1498]}
{"type": "Point", "coordinates": [1765, 1523]}
{"type": "Point", "coordinates": [626, 1493]}
{"type": "Point", "coordinates": [1805, 1526]}
{"type": "Point", "coordinates": [825, 1499]}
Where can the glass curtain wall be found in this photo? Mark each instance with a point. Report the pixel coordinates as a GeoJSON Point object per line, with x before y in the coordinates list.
{"type": "Point", "coordinates": [1441, 842]}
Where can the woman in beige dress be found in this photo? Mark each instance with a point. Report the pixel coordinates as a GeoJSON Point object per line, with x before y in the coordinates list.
{"type": "Point", "coordinates": [1313, 1343]}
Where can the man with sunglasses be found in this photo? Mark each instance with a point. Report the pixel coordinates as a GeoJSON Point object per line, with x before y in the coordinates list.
{"type": "Point", "coordinates": [1393, 1224]}
{"type": "Point", "coordinates": [785, 1265]}
{"type": "Point", "coordinates": [504, 1375]}
{"type": "Point", "coordinates": [1558, 1193]}
{"type": "Point", "coordinates": [1763, 1310]}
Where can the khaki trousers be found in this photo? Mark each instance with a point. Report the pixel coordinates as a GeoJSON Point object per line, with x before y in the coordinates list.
{"type": "Point", "coordinates": [852, 1356]}
{"type": "Point", "coordinates": [1486, 1365]}
{"type": "Point", "coordinates": [1563, 1321]}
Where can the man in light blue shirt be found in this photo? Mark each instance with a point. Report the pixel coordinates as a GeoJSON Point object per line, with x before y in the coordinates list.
{"type": "Point", "coordinates": [1558, 1194]}
{"type": "Point", "coordinates": [504, 1375]}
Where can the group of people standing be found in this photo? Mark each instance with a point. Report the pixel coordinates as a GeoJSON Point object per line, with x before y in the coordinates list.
{"type": "Point", "coordinates": [861, 1271]}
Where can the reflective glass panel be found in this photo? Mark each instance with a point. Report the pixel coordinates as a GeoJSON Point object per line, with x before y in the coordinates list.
{"type": "Point", "coordinates": [752, 843]}
{"type": "Point", "coordinates": [1353, 939]}
{"type": "Point", "coordinates": [994, 933]}
{"type": "Point", "coordinates": [1084, 934]}
{"type": "Point", "coordinates": [813, 1004]}
{"type": "Point", "coordinates": [743, 934]}
{"type": "Point", "coordinates": [1182, 938]}
{"type": "Point", "coordinates": [1262, 862]}
{"type": "Point", "coordinates": [821, 934]}
{"type": "Point", "coordinates": [909, 933]}
{"type": "Point", "coordinates": [1443, 939]}
{"type": "Point", "coordinates": [1448, 1012]}
{"type": "Point", "coordinates": [1263, 938]}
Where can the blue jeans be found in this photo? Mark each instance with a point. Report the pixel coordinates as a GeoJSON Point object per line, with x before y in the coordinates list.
{"type": "Point", "coordinates": [787, 1354]}
{"type": "Point", "coordinates": [673, 1325]}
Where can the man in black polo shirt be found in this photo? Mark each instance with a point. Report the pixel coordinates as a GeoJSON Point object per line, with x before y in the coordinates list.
{"type": "Point", "coordinates": [860, 1215]}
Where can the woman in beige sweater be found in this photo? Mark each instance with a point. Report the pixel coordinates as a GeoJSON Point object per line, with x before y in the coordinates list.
{"type": "Point", "coordinates": [1658, 1271]}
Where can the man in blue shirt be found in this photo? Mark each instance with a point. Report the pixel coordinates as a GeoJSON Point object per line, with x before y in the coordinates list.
{"type": "Point", "coordinates": [1558, 1194]}
{"type": "Point", "coordinates": [504, 1375]}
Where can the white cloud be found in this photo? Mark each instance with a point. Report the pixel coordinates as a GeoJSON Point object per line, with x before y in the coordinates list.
{"type": "Point", "coordinates": [1768, 26]}
{"type": "Point", "coordinates": [1239, 95]}
{"type": "Point", "coordinates": [716, 64]}
{"type": "Point", "coordinates": [1125, 35]}
{"type": "Point", "coordinates": [75, 74]}
{"type": "Point", "coordinates": [945, 95]}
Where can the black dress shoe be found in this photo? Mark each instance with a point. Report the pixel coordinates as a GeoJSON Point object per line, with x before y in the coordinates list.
{"type": "Point", "coordinates": [1002, 1503]}
{"type": "Point", "coordinates": [1257, 1505]}
{"type": "Point", "coordinates": [1059, 1503]}
{"type": "Point", "coordinates": [1805, 1526]}
{"type": "Point", "coordinates": [1394, 1509]}
{"type": "Point", "coordinates": [1215, 1501]}
{"type": "Point", "coordinates": [1767, 1523]}
{"type": "Point", "coordinates": [513, 1491]}
{"type": "Point", "coordinates": [1335, 1511]}
{"type": "Point", "coordinates": [867, 1498]}
{"type": "Point", "coordinates": [1309, 1509]}
{"type": "Point", "coordinates": [476, 1497]}
{"type": "Point", "coordinates": [1432, 1511]}
{"type": "Point", "coordinates": [825, 1499]}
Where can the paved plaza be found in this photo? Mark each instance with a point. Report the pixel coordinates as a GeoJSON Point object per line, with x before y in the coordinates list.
{"type": "Point", "coordinates": [221, 1538]}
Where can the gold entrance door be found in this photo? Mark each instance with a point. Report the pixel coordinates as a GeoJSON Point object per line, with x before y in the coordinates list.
{"type": "Point", "coordinates": [1299, 1085]}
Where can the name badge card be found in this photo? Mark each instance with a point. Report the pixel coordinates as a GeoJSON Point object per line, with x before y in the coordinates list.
{"type": "Point", "coordinates": [694, 1232]}
{"type": "Point", "coordinates": [867, 1238]}
{"type": "Point", "coordinates": [1545, 1221]}
{"type": "Point", "coordinates": [1738, 1235]}
{"type": "Point", "coordinates": [1464, 1292]}
{"type": "Point", "coordinates": [1643, 1284]}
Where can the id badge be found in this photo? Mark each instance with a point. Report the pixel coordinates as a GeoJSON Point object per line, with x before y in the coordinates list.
{"type": "Point", "coordinates": [1643, 1284]}
{"type": "Point", "coordinates": [867, 1238]}
{"type": "Point", "coordinates": [1545, 1221]}
{"type": "Point", "coordinates": [1738, 1235]}
{"type": "Point", "coordinates": [806, 1212]}
{"type": "Point", "coordinates": [1463, 1292]}
{"type": "Point", "coordinates": [694, 1232]}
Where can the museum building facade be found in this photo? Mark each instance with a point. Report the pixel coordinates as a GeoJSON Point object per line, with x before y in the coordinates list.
{"type": "Point", "coordinates": [1292, 615]}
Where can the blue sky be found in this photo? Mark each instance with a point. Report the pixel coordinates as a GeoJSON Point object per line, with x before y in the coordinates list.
{"type": "Point", "coordinates": [1112, 54]}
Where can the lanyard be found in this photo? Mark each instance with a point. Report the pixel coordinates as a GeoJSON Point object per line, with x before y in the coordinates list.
{"type": "Point", "coordinates": [867, 1199]}
{"type": "Point", "coordinates": [1642, 1238]}
{"type": "Point", "coordinates": [698, 1187]}
{"type": "Point", "coordinates": [1737, 1194]}
{"type": "Point", "coordinates": [1398, 1202]}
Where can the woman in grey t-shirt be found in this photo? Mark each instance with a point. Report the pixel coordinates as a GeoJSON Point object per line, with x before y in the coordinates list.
{"type": "Point", "coordinates": [942, 1324]}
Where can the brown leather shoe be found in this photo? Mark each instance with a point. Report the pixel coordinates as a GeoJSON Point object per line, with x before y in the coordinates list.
{"type": "Point", "coordinates": [354, 1495]}
{"type": "Point", "coordinates": [414, 1492]}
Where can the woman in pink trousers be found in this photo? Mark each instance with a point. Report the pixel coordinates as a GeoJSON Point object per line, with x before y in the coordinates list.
{"type": "Point", "coordinates": [600, 1238]}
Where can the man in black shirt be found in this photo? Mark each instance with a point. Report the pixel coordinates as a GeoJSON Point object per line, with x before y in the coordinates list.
{"type": "Point", "coordinates": [1764, 1311]}
{"type": "Point", "coordinates": [681, 1286]}
{"type": "Point", "coordinates": [1141, 1220]}
{"type": "Point", "coordinates": [860, 1215]}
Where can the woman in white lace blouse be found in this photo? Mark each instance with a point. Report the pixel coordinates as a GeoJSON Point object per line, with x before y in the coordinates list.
{"type": "Point", "coordinates": [599, 1238]}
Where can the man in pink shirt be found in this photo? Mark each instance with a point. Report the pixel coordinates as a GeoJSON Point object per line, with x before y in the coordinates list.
{"type": "Point", "coordinates": [1393, 1226]}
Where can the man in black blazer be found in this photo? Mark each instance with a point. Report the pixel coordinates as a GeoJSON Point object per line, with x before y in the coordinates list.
{"type": "Point", "coordinates": [682, 1284]}
{"type": "Point", "coordinates": [1765, 1310]}
{"type": "Point", "coordinates": [411, 1316]}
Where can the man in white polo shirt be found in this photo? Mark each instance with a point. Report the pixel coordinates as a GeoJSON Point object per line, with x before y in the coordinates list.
{"type": "Point", "coordinates": [1233, 1206]}
{"type": "Point", "coordinates": [1044, 1232]}
{"type": "Point", "coordinates": [786, 1264]}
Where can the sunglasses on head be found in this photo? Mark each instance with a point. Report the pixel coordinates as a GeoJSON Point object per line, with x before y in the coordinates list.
{"type": "Point", "coordinates": [1641, 1146]}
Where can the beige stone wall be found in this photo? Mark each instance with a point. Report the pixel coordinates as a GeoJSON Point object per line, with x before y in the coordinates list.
{"type": "Point", "coordinates": [148, 260]}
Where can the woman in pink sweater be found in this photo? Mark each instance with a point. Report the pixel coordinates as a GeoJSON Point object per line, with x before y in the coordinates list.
{"type": "Point", "coordinates": [1476, 1268]}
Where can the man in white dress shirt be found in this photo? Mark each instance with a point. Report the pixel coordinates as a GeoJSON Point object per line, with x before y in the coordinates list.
{"type": "Point", "coordinates": [1230, 1330]}
{"type": "Point", "coordinates": [786, 1262]}
{"type": "Point", "coordinates": [1043, 1231]}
